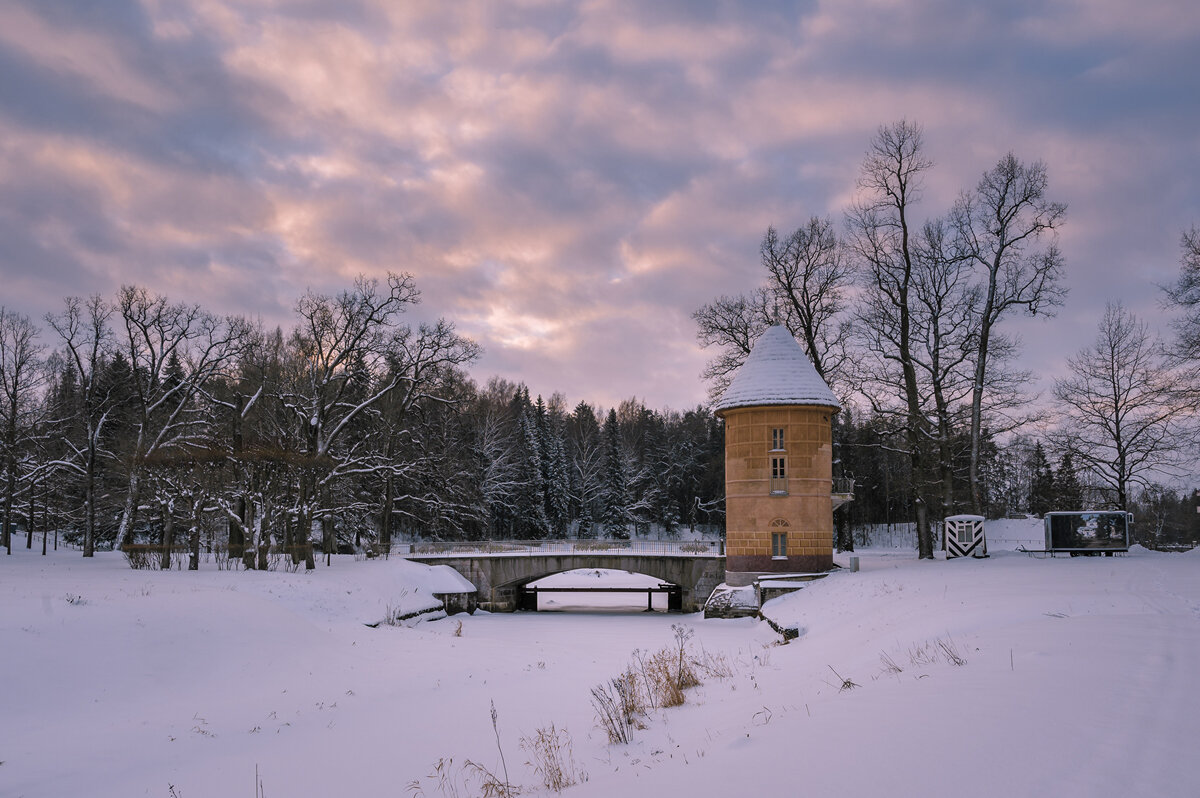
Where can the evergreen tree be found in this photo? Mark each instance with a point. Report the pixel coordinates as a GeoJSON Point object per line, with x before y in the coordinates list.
{"type": "Point", "coordinates": [1041, 489]}
{"type": "Point", "coordinates": [586, 464]}
{"type": "Point", "coordinates": [1068, 492]}
{"type": "Point", "coordinates": [556, 492]}
{"type": "Point", "coordinates": [531, 522]}
{"type": "Point", "coordinates": [558, 488]}
{"type": "Point", "coordinates": [614, 492]}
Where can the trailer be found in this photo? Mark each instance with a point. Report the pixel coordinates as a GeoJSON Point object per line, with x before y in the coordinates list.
{"type": "Point", "coordinates": [1088, 532]}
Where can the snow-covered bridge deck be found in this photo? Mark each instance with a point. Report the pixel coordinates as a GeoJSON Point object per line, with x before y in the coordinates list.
{"type": "Point", "coordinates": [484, 548]}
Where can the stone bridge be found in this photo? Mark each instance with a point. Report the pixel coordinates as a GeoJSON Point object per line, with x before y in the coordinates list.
{"type": "Point", "coordinates": [498, 577]}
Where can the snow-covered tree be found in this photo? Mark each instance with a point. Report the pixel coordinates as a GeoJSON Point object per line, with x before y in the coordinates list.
{"type": "Point", "coordinates": [85, 331]}
{"type": "Point", "coordinates": [558, 488]}
{"type": "Point", "coordinates": [21, 378]}
{"type": "Point", "coordinates": [530, 502]}
{"type": "Point", "coordinates": [614, 496]}
{"type": "Point", "coordinates": [174, 350]}
{"type": "Point", "coordinates": [586, 447]}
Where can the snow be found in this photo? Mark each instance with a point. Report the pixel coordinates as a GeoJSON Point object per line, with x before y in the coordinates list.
{"type": "Point", "coordinates": [601, 578]}
{"type": "Point", "coordinates": [1078, 680]}
{"type": "Point", "coordinates": [444, 579]}
{"type": "Point", "coordinates": [777, 372]}
{"type": "Point", "coordinates": [598, 577]}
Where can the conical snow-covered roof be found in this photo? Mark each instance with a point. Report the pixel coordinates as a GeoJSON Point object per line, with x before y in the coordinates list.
{"type": "Point", "coordinates": [777, 372]}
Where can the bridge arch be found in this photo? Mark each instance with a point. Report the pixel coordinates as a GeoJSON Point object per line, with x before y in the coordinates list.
{"type": "Point", "coordinates": [498, 578]}
{"type": "Point", "coordinates": [639, 593]}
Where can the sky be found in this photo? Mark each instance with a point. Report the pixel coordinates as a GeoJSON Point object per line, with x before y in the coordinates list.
{"type": "Point", "coordinates": [568, 182]}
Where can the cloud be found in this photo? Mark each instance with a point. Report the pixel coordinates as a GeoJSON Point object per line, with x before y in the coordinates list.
{"type": "Point", "coordinates": [567, 181]}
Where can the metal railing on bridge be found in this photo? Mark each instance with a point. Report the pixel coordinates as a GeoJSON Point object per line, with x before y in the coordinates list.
{"type": "Point", "coordinates": [499, 548]}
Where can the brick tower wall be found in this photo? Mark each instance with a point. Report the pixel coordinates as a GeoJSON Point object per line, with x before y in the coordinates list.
{"type": "Point", "coordinates": [753, 513]}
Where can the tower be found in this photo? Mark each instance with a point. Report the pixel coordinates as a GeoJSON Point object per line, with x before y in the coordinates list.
{"type": "Point", "coordinates": [778, 463]}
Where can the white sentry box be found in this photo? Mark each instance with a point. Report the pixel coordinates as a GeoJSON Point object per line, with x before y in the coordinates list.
{"type": "Point", "coordinates": [962, 536]}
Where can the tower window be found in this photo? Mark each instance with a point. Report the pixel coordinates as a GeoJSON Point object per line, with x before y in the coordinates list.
{"type": "Point", "coordinates": [779, 475]}
{"type": "Point", "coordinates": [777, 440]}
{"type": "Point", "coordinates": [779, 545]}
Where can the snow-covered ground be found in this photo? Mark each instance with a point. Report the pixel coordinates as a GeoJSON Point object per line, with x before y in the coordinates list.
{"type": "Point", "coordinates": [1081, 677]}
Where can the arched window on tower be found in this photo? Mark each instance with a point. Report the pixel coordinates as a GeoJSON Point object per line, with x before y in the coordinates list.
{"type": "Point", "coordinates": [779, 539]}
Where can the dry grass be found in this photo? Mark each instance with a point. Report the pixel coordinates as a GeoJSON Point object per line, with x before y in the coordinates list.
{"type": "Point", "coordinates": [889, 664]}
{"type": "Point", "coordinates": [652, 681]}
{"type": "Point", "coordinates": [552, 757]}
{"type": "Point", "coordinates": [714, 666]}
{"type": "Point", "coordinates": [612, 702]}
{"type": "Point", "coordinates": [949, 650]}
{"type": "Point", "coordinates": [922, 654]}
{"type": "Point", "coordinates": [462, 781]}
{"type": "Point", "coordinates": [844, 683]}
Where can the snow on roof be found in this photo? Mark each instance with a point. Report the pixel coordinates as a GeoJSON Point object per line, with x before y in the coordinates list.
{"type": "Point", "coordinates": [777, 372]}
{"type": "Point", "coordinates": [444, 579]}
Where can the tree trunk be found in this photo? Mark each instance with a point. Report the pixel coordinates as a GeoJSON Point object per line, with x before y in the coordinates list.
{"type": "Point", "coordinates": [10, 484]}
{"type": "Point", "coordinates": [129, 514]}
{"type": "Point", "coordinates": [844, 535]}
{"type": "Point", "coordinates": [89, 521]}
{"type": "Point", "coordinates": [247, 551]}
{"type": "Point", "coordinates": [327, 533]}
{"type": "Point", "coordinates": [947, 478]}
{"type": "Point", "coordinates": [168, 538]}
{"type": "Point", "coordinates": [327, 536]}
{"type": "Point", "coordinates": [924, 533]}
{"type": "Point", "coordinates": [265, 524]}
{"type": "Point", "coordinates": [236, 540]}
{"type": "Point", "coordinates": [29, 526]}
{"type": "Point", "coordinates": [977, 403]}
{"type": "Point", "coordinates": [45, 516]}
{"type": "Point", "coordinates": [197, 508]}
{"type": "Point", "coordinates": [385, 516]}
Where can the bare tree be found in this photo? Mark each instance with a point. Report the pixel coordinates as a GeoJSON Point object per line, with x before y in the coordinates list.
{"type": "Point", "coordinates": [807, 277]}
{"type": "Point", "coordinates": [83, 327]}
{"type": "Point", "coordinates": [235, 399]}
{"type": "Point", "coordinates": [1008, 228]}
{"type": "Point", "coordinates": [174, 350]}
{"type": "Point", "coordinates": [1123, 421]}
{"type": "Point", "coordinates": [357, 331]}
{"type": "Point", "coordinates": [21, 379]}
{"type": "Point", "coordinates": [1184, 295]}
{"type": "Point", "coordinates": [425, 472]}
{"type": "Point", "coordinates": [945, 319]}
{"type": "Point", "coordinates": [732, 323]}
{"type": "Point", "coordinates": [882, 239]}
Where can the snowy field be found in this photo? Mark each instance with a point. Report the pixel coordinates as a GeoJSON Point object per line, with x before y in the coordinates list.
{"type": "Point", "coordinates": [1079, 677]}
